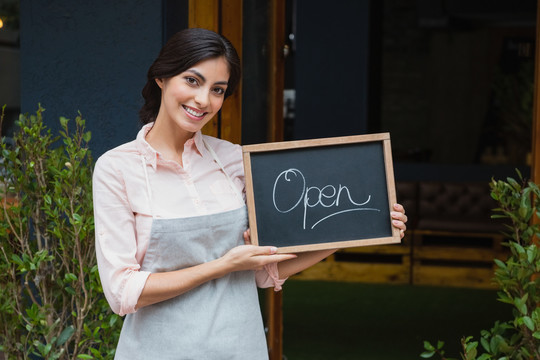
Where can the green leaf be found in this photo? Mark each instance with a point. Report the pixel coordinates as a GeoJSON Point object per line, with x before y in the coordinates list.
{"type": "Point", "coordinates": [428, 346]}
{"type": "Point", "coordinates": [65, 335]}
{"type": "Point", "coordinates": [427, 354]}
{"type": "Point", "coordinates": [513, 183]}
{"type": "Point", "coordinates": [87, 136]}
{"type": "Point", "coordinates": [84, 356]}
{"type": "Point", "coordinates": [70, 290]}
{"type": "Point", "coordinates": [531, 253]}
{"type": "Point", "coordinates": [528, 322]}
{"type": "Point", "coordinates": [95, 352]}
{"type": "Point", "coordinates": [521, 303]}
{"type": "Point", "coordinates": [503, 297]}
{"type": "Point", "coordinates": [500, 263]}
{"type": "Point", "coordinates": [16, 259]}
{"type": "Point", "coordinates": [471, 346]}
{"type": "Point", "coordinates": [494, 344]}
{"type": "Point", "coordinates": [113, 319]}
{"type": "Point", "coordinates": [519, 249]}
{"type": "Point", "coordinates": [63, 121]}
{"type": "Point", "coordinates": [70, 277]}
{"type": "Point", "coordinates": [485, 344]}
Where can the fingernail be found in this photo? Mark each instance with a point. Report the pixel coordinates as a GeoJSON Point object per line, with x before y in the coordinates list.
{"type": "Point", "coordinates": [273, 250]}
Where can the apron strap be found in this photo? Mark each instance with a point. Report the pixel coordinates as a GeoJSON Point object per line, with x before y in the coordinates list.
{"type": "Point", "coordinates": [216, 159]}
{"type": "Point", "coordinates": [148, 188]}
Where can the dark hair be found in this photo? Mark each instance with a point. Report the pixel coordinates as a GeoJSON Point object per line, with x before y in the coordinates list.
{"type": "Point", "coordinates": [183, 50]}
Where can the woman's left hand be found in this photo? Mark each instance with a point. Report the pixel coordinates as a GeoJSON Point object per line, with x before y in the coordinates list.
{"type": "Point", "coordinates": [399, 219]}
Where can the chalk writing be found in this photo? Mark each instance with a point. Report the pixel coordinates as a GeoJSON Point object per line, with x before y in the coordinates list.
{"type": "Point", "coordinates": [312, 196]}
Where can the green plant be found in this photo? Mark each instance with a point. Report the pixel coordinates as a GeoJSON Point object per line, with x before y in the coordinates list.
{"type": "Point", "coordinates": [518, 279]}
{"type": "Point", "coordinates": [51, 301]}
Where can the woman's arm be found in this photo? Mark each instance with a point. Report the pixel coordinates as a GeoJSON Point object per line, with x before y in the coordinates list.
{"type": "Point", "coordinates": [126, 286]}
{"type": "Point", "coordinates": [307, 259]}
{"type": "Point", "coordinates": [163, 286]}
{"type": "Point", "coordinates": [116, 238]}
{"type": "Point", "coordinates": [302, 262]}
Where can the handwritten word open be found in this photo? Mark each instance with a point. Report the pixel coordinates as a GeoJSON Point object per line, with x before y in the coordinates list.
{"type": "Point", "coordinates": [311, 196]}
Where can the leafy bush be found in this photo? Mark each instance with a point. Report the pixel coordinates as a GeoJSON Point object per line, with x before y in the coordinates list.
{"type": "Point", "coordinates": [518, 279]}
{"type": "Point", "coordinates": [51, 300]}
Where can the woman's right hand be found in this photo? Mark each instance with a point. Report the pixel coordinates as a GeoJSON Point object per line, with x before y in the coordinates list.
{"type": "Point", "coordinates": [251, 257]}
{"type": "Point", "coordinates": [166, 285]}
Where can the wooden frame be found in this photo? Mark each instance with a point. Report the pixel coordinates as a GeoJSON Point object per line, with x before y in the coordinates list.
{"type": "Point", "coordinates": [250, 152]}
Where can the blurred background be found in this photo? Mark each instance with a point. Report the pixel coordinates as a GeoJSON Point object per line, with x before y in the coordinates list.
{"type": "Point", "coordinates": [451, 80]}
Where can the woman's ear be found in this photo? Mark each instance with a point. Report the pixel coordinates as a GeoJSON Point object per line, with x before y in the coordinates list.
{"type": "Point", "coordinates": [159, 83]}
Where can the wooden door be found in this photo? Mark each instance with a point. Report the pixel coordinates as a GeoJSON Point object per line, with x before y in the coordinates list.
{"type": "Point", "coordinates": [225, 17]}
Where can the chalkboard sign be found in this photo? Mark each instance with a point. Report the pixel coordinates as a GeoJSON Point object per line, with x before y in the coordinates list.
{"type": "Point", "coordinates": [322, 193]}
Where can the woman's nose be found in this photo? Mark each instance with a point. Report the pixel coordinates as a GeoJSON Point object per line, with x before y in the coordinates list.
{"type": "Point", "coordinates": [202, 98]}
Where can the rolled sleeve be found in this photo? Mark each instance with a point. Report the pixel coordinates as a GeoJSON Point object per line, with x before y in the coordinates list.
{"type": "Point", "coordinates": [269, 277]}
{"type": "Point", "coordinates": [116, 241]}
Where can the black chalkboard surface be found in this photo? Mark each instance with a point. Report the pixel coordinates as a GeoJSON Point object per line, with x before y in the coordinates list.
{"type": "Point", "coordinates": [322, 193]}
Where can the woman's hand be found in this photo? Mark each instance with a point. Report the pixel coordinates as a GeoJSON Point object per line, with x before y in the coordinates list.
{"type": "Point", "coordinates": [399, 219]}
{"type": "Point", "coordinates": [251, 257]}
{"type": "Point", "coordinates": [166, 285]}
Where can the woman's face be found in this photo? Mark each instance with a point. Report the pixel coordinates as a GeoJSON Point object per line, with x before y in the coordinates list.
{"type": "Point", "coordinates": [191, 98]}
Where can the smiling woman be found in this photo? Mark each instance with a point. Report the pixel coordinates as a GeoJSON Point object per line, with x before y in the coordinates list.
{"type": "Point", "coordinates": [188, 101]}
{"type": "Point", "coordinates": [199, 44]}
{"type": "Point", "coordinates": [172, 245]}
{"type": "Point", "coordinates": [170, 220]}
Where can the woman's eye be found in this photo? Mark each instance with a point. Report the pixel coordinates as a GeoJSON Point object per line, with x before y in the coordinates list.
{"type": "Point", "coordinates": [219, 91]}
{"type": "Point", "coordinates": [191, 80]}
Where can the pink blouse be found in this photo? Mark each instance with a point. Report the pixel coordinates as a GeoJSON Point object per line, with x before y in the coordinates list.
{"type": "Point", "coordinates": [123, 211]}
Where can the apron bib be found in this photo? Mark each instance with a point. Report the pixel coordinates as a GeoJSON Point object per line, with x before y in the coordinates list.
{"type": "Point", "coordinates": [218, 320]}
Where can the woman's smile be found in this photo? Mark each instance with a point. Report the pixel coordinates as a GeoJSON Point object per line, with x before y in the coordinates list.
{"type": "Point", "coordinates": [194, 113]}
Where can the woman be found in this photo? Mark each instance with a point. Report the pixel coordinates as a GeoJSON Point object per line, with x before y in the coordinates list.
{"type": "Point", "coordinates": [171, 241]}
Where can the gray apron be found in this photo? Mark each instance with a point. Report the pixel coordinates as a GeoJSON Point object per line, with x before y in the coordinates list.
{"type": "Point", "coordinates": [219, 319]}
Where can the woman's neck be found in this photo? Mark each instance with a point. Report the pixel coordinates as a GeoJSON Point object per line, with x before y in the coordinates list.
{"type": "Point", "coordinates": [168, 139]}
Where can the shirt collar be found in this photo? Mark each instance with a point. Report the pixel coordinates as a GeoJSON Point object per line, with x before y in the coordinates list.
{"type": "Point", "coordinates": [151, 155]}
{"type": "Point", "coordinates": [199, 143]}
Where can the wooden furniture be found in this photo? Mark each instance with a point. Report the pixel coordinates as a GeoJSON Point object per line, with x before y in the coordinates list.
{"type": "Point", "coordinates": [369, 264]}
{"type": "Point", "coordinates": [451, 240]}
